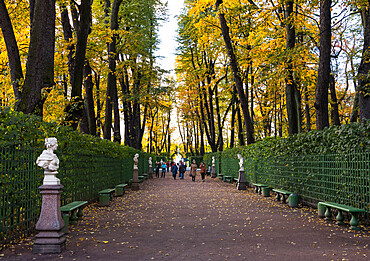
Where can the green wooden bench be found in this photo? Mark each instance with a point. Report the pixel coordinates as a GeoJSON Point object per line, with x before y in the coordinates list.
{"type": "Point", "coordinates": [145, 175]}
{"type": "Point", "coordinates": [105, 196]}
{"type": "Point", "coordinates": [221, 176]}
{"type": "Point", "coordinates": [339, 218]}
{"type": "Point", "coordinates": [258, 187]}
{"type": "Point", "coordinates": [71, 213]}
{"type": "Point", "coordinates": [236, 180]}
{"type": "Point", "coordinates": [228, 179]}
{"type": "Point", "coordinates": [120, 190]}
{"type": "Point", "coordinates": [282, 194]}
{"type": "Point", "coordinates": [141, 179]}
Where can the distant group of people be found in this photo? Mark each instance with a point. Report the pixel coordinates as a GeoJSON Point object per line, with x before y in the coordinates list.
{"type": "Point", "coordinates": [180, 169]}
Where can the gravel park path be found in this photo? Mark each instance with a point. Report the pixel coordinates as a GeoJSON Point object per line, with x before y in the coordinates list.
{"type": "Point", "coordinates": [171, 219]}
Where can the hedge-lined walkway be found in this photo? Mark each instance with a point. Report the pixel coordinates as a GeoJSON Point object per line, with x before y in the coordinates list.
{"type": "Point", "coordinates": [182, 220]}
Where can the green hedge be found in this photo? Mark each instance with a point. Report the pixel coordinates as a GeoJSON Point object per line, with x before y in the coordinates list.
{"type": "Point", "coordinates": [88, 164]}
{"type": "Point", "coordinates": [198, 159]}
{"type": "Point", "coordinates": [348, 138]}
{"type": "Point", "coordinates": [17, 128]}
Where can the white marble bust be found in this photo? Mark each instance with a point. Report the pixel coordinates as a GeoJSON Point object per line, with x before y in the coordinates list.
{"type": "Point", "coordinates": [241, 162]}
{"type": "Point", "coordinates": [136, 160]}
{"type": "Point", "coordinates": [49, 162]}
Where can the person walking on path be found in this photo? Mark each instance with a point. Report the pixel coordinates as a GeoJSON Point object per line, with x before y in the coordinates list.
{"type": "Point", "coordinates": [193, 170]}
{"type": "Point", "coordinates": [203, 169]}
{"type": "Point", "coordinates": [157, 167]}
{"type": "Point", "coordinates": [174, 170]}
{"type": "Point", "coordinates": [182, 170]}
{"type": "Point", "coordinates": [164, 169]}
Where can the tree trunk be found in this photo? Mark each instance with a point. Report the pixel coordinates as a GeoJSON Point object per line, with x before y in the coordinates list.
{"type": "Point", "coordinates": [323, 79]}
{"type": "Point", "coordinates": [290, 89]}
{"type": "Point", "coordinates": [240, 128]}
{"type": "Point", "coordinates": [32, 10]}
{"type": "Point", "coordinates": [334, 102]}
{"type": "Point", "coordinates": [75, 108]}
{"type": "Point", "coordinates": [15, 65]}
{"type": "Point", "coordinates": [116, 113]}
{"type": "Point", "coordinates": [98, 105]}
{"type": "Point", "coordinates": [364, 70]}
{"type": "Point", "coordinates": [40, 62]}
{"type": "Point", "coordinates": [89, 99]}
{"type": "Point", "coordinates": [68, 37]}
{"type": "Point", "coordinates": [237, 79]}
{"type": "Point", "coordinates": [111, 81]}
{"type": "Point", "coordinates": [307, 110]}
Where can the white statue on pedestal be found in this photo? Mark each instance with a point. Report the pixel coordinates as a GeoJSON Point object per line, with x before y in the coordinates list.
{"type": "Point", "coordinates": [136, 160]}
{"type": "Point", "coordinates": [150, 162]}
{"type": "Point", "coordinates": [241, 162]}
{"type": "Point", "coordinates": [213, 160]}
{"type": "Point", "coordinates": [178, 156]}
{"type": "Point", "coordinates": [49, 162]}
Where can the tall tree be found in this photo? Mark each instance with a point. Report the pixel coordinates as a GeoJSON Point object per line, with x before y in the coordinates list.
{"type": "Point", "coordinates": [323, 79]}
{"type": "Point", "coordinates": [291, 88]}
{"type": "Point", "coordinates": [111, 97]}
{"type": "Point", "coordinates": [82, 19]}
{"type": "Point", "coordinates": [40, 62]}
{"type": "Point", "coordinates": [364, 69]}
{"type": "Point", "coordinates": [12, 49]}
{"type": "Point", "coordinates": [235, 70]}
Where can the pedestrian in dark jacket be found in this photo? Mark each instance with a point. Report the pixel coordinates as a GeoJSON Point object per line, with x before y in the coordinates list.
{"type": "Point", "coordinates": [157, 167]}
{"type": "Point", "coordinates": [174, 170]}
{"type": "Point", "coordinates": [182, 170]}
{"type": "Point", "coordinates": [203, 169]}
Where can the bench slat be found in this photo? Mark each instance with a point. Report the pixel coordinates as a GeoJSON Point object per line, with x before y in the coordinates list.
{"type": "Point", "coordinates": [106, 191]}
{"type": "Point", "coordinates": [282, 191]}
{"type": "Point", "coordinates": [259, 185]}
{"type": "Point", "coordinates": [72, 206]}
{"type": "Point", "coordinates": [342, 207]}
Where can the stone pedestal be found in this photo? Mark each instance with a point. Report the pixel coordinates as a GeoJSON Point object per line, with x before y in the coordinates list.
{"type": "Point", "coordinates": [135, 180]}
{"type": "Point", "coordinates": [150, 172]}
{"type": "Point", "coordinates": [241, 181]}
{"type": "Point", "coordinates": [51, 238]}
{"type": "Point", "coordinates": [213, 172]}
{"type": "Point", "coordinates": [50, 178]}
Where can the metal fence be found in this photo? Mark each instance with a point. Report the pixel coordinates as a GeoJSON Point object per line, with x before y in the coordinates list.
{"type": "Point", "coordinates": [82, 176]}
{"type": "Point", "coordinates": [341, 178]}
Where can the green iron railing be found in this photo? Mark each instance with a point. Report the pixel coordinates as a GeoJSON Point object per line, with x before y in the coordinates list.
{"type": "Point", "coordinates": [82, 176]}
{"type": "Point", "coordinates": [339, 178]}
{"type": "Point", "coordinates": [20, 199]}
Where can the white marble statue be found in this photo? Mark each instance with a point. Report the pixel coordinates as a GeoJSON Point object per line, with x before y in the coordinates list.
{"type": "Point", "coordinates": [49, 162]}
{"type": "Point", "coordinates": [136, 161]}
{"type": "Point", "coordinates": [213, 160]}
{"type": "Point", "coordinates": [241, 162]}
{"type": "Point", "coordinates": [150, 162]}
